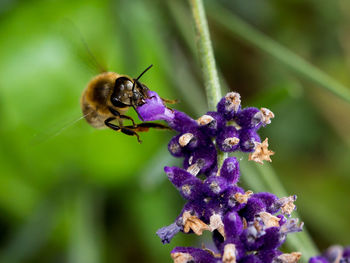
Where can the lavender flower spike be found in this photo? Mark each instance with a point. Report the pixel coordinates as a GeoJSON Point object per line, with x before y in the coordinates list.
{"type": "Point", "coordinates": [246, 227]}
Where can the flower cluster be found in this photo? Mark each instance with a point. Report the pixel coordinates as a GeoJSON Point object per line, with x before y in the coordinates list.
{"type": "Point", "coordinates": [334, 254]}
{"type": "Point", "coordinates": [247, 227]}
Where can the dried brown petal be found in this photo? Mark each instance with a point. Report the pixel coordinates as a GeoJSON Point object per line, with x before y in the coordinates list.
{"type": "Point", "coordinates": [245, 224]}
{"type": "Point", "coordinates": [243, 198]}
{"type": "Point", "coordinates": [204, 120]}
{"type": "Point", "coordinates": [231, 141]}
{"type": "Point", "coordinates": [179, 257]}
{"type": "Point", "coordinates": [234, 100]}
{"type": "Point", "coordinates": [229, 255]}
{"type": "Point", "coordinates": [216, 223]}
{"type": "Point", "coordinates": [267, 115]}
{"type": "Point", "coordinates": [192, 222]}
{"type": "Point", "coordinates": [269, 220]}
{"type": "Point", "coordinates": [287, 204]}
{"type": "Point", "coordinates": [261, 153]}
{"type": "Point", "coordinates": [288, 258]}
{"type": "Point", "coordinates": [185, 139]}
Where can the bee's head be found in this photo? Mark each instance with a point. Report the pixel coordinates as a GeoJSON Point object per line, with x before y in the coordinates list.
{"type": "Point", "coordinates": [129, 92]}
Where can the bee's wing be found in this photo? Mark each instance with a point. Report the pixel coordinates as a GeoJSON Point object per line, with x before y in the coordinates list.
{"type": "Point", "coordinates": [79, 47]}
{"type": "Point", "coordinates": [54, 130]}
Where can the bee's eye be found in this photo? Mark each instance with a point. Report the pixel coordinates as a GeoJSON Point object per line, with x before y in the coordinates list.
{"type": "Point", "coordinates": [128, 85]}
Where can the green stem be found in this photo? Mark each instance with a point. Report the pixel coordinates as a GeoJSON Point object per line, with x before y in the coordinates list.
{"type": "Point", "coordinates": [207, 60]}
{"type": "Point", "coordinates": [243, 30]}
{"type": "Point", "coordinates": [206, 54]}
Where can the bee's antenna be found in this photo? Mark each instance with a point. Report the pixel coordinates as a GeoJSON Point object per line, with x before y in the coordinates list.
{"type": "Point", "coordinates": [138, 114]}
{"type": "Point", "coordinates": [136, 80]}
{"type": "Point", "coordinates": [144, 72]}
{"type": "Point", "coordinates": [138, 83]}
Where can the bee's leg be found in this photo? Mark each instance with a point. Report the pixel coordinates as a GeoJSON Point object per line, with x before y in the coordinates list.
{"type": "Point", "coordinates": [145, 126]}
{"type": "Point", "coordinates": [170, 101]}
{"type": "Point", "coordinates": [116, 113]}
{"type": "Point", "coordinates": [131, 132]}
{"type": "Point", "coordinates": [111, 125]}
{"type": "Point", "coordinates": [128, 130]}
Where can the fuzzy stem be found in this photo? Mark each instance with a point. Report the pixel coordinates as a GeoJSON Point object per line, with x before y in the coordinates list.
{"type": "Point", "coordinates": [207, 60]}
{"type": "Point", "coordinates": [206, 55]}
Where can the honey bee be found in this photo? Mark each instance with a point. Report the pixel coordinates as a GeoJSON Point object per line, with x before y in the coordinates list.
{"type": "Point", "coordinates": [107, 98]}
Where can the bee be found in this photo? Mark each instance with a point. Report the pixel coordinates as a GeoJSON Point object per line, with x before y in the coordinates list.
{"type": "Point", "coordinates": [107, 98]}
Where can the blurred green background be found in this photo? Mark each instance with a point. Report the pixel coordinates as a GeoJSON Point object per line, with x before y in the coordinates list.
{"type": "Point", "coordinates": [70, 193]}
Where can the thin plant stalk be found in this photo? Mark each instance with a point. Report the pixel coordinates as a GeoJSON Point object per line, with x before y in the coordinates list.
{"type": "Point", "coordinates": [206, 54]}
{"type": "Point", "coordinates": [238, 27]}
{"type": "Point", "coordinates": [207, 60]}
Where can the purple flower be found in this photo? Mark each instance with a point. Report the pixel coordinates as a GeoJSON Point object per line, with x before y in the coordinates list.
{"type": "Point", "coordinates": [155, 109]}
{"type": "Point", "coordinates": [168, 232]}
{"type": "Point", "coordinates": [230, 170]}
{"type": "Point", "coordinates": [229, 105]}
{"type": "Point", "coordinates": [228, 139]}
{"type": "Point", "coordinates": [247, 140]}
{"type": "Point", "coordinates": [211, 123]}
{"type": "Point", "coordinates": [249, 118]}
{"type": "Point", "coordinates": [215, 185]}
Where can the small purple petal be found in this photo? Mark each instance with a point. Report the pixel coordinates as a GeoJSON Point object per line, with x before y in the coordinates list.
{"type": "Point", "coordinates": [267, 256]}
{"type": "Point", "coordinates": [228, 139]}
{"type": "Point", "coordinates": [272, 239]}
{"type": "Point", "coordinates": [346, 252]}
{"type": "Point", "coordinates": [192, 139]}
{"type": "Point", "coordinates": [213, 206]}
{"type": "Point", "coordinates": [247, 140]}
{"type": "Point", "coordinates": [318, 259]}
{"type": "Point", "coordinates": [233, 226]}
{"type": "Point", "coordinates": [194, 207]}
{"type": "Point", "coordinates": [177, 175]}
{"type": "Point", "coordinates": [212, 128]}
{"type": "Point", "coordinates": [230, 170]}
{"type": "Point", "coordinates": [182, 122]}
{"type": "Point", "coordinates": [249, 118]}
{"type": "Point", "coordinates": [253, 207]}
{"type": "Point", "coordinates": [155, 109]}
{"type": "Point", "coordinates": [230, 200]}
{"type": "Point", "coordinates": [251, 259]}
{"type": "Point", "coordinates": [191, 189]}
{"type": "Point", "coordinates": [215, 185]}
{"type": "Point", "coordinates": [269, 200]}
{"type": "Point", "coordinates": [229, 105]}
{"type": "Point", "coordinates": [168, 232]}
{"type": "Point", "coordinates": [174, 147]}
{"type": "Point", "coordinates": [204, 157]}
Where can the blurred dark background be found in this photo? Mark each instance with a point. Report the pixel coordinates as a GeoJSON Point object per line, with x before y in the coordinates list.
{"type": "Point", "coordinates": [69, 193]}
